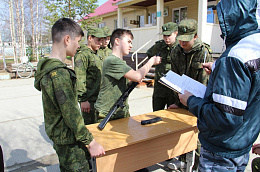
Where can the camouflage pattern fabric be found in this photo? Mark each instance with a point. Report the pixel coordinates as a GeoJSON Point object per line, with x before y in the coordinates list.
{"type": "Point", "coordinates": [88, 68]}
{"type": "Point", "coordinates": [187, 29]}
{"type": "Point", "coordinates": [97, 32]}
{"type": "Point", "coordinates": [256, 165]}
{"type": "Point", "coordinates": [190, 63]}
{"type": "Point", "coordinates": [113, 85]}
{"type": "Point", "coordinates": [160, 91]}
{"type": "Point", "coordinates": [120, 114]}
{"type": "Point", "coordinates": [90, 118]}
{"type": "Point", "coordinates": [104, 52]}
{"type": "Point", "coordinates": [169, 28]}
{"type": "Point", "coordinates": [106, 31]}
{"type": "Point", "coordinates": [73, 157]}
{"type": "Point", "coordinates": [64, 124]}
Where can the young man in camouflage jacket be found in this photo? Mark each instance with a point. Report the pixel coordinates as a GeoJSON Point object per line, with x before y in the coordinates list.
{"type": "Point", "coordinates": [88, 68]}
{"type": "Point", "coordinates": [187, 58]}
{"type": "Point", "coordinates": [104, 50]}
{"type": "Point", "coordinates": [163, 95]}
{"type": "Point", "coordinates": [63, 122]}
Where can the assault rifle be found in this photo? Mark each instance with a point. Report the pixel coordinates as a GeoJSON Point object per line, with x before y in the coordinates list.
{"type": "Point", "coordinates": [119, 103]}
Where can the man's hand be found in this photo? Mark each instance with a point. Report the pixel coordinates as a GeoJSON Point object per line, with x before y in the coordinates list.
{"type": "Point", "coordinates": [173, 106]}
{"type": "Point", "coordinates": [184, 97]}
{"type": "Point", "coordinates": [156, 60]}
{"type": "Point", "coordinates": [85, 106]}
{"type": "Point", "coordinates": [207, 67]}
{"type": "Point", "coordinates": [95, 149]}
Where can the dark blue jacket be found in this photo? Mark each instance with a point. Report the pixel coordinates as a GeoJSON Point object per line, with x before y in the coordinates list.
{"type": "Point", "coordinates": [229, 114]}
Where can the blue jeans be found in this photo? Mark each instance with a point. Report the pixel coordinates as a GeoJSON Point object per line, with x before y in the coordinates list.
{"type": "Point", "coordinates": [212, 162]}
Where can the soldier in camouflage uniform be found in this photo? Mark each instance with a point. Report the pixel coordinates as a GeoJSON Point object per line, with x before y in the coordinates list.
{"type": "Point", "coordinates": [88, 68]}
{"type": "Point", "coordinates": [64, 124]}
{"type": "Point", "coordinates": [163, 95]}
{"type": "Point", "coordinates": [116, 75]}
{"type": "Point", "coordinates": [104, 50]}
{"type": "Point", "coordinates": [187, 58]}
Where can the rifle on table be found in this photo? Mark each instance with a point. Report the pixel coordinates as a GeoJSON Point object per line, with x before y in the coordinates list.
{"type": "Point", "coordinates": [119, 103]}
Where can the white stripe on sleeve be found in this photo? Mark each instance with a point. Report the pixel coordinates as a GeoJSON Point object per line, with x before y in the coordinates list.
{"type": "Point", "coordinates": [229, 101]}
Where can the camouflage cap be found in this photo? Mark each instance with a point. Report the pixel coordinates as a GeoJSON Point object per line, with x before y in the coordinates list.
{"type": "Point", "coordinates": [97, 32]}
{"type": "Point", "coordinates": [106, 31]}
{"type": "Point", "coordinates": [168, 28]}
{"type": "Point", "coordinates": [187, 29]}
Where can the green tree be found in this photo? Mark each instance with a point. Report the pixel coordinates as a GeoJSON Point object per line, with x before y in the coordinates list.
{"type": "Point", "coordinates": [74, 9]}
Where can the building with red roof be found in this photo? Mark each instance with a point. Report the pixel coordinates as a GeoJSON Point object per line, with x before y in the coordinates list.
{"type": "Point", "coordinates": [105, 8]}
{"type": "Point", "coordinates": [145, 18]}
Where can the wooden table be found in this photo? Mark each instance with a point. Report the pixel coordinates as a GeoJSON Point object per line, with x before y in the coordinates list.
{"type": "Point", "coordinates": [131, 146]}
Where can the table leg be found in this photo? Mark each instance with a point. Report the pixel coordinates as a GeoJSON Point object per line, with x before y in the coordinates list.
{"type": "Point", "coordinates": [190, 156]}
{"type": "Point", "coordinates": [93, 164]}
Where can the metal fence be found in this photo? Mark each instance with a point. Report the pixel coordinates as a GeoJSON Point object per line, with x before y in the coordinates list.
{"type": "Point", "coordinates": [8, 51]}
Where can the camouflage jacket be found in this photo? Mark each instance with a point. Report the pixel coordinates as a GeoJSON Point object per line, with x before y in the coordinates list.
{"type": "Point", "coordinates": [104, 52]}
{"type": "Point", "coordinates": [162, 49]}
{"type": "Point", "coordinates": [88, 68]}
{"type": "Point", "coordinates": [63, 121]}
{"type": "Point", "coordinates": [190, 63]}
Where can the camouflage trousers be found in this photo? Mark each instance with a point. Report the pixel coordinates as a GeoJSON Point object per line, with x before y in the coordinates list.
{"type": "Point", "coordinates": [160, 102]}
{"type": "Point", "coordinates": [90, 118]}
{"type": "Point", "coordinates": [73, 157]}
{"type": "Point", "coordinates": [101, 116]}
{"type": "Point", "coordinates": [210, 161]}
{"type": "Point", "coordinates": [197, 156]}
{"type": "Point", "coordinates": [256, 165]}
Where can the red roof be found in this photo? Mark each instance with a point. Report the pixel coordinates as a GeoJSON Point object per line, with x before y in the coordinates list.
{"type": "Point", "coordinates": [107, 7]}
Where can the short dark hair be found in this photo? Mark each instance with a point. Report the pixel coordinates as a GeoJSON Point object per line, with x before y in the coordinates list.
{"type": "Point", "coordinates": [65, 26]}
{"type": "Point", "coordinates": [118, 33]}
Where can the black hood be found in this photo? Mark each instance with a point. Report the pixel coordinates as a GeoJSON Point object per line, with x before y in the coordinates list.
{"type": "Point", "coordinates": [237, 19]}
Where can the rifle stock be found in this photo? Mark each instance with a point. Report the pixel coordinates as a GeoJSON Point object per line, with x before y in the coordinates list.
{"type": "Point", "coordinates": [119, 103]}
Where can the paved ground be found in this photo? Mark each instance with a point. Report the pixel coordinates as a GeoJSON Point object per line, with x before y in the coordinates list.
{"type": "Point", "coordinates": [25, 145]}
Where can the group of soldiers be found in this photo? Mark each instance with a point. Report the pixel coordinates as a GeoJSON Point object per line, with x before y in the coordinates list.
{"type": "Point", "coordinates": [183, 55]}
{"type": "Point", "coordinates": [89, 59]}
{"type": "Point", "coordinates": [228, 115]}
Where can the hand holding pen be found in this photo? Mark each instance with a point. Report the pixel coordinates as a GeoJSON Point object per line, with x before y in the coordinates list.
{"type": "Point", "coordinates": [207, 66]}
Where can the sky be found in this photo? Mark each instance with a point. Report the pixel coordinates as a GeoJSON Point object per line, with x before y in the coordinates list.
{"type": "Point", "coordinates": [100, 2]}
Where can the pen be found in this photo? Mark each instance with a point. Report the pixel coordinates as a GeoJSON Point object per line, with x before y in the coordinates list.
{"type": "Point", "coordinates": [205, 56]}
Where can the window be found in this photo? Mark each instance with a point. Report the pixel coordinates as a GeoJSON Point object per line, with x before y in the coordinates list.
{"type": "Point", "coordinates": [152, 19]}
{"type": "Point", "coordinates": [124, 22]}
{"type": "Point", "coordinates": [100, 25]}
{"type": "Point", "coordinates": [179, 14]}
{"type": "Point", "coordinates": [115, 24]}
{"type": "Point", "coordinates": [141, 21]}
{"type": "Point", "coordinates": [211, 15]}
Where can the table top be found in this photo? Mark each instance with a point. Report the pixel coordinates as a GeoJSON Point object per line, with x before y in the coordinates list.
{"type": "Point", "coordinates": [127, 131]}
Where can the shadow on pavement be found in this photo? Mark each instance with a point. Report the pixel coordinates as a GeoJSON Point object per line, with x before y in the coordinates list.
{"type": "Point", "coordinates": [20, 155]}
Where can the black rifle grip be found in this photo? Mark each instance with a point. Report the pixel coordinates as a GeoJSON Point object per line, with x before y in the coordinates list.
{"type": "Point", "coordinates": [119, 103]}
{"type": "Point", "coordinates": [150, 121]}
